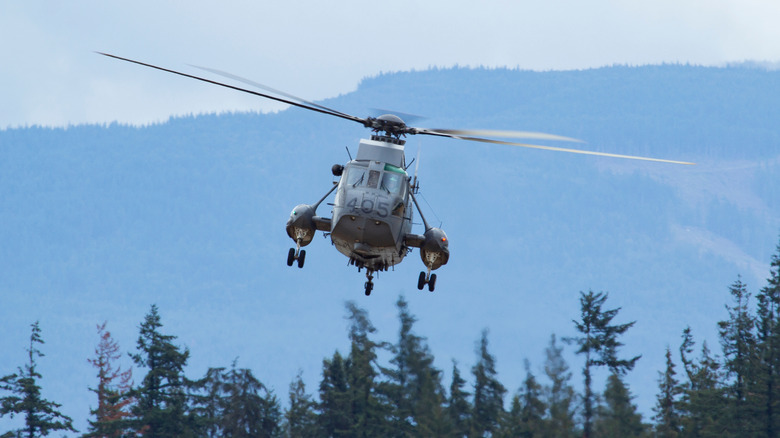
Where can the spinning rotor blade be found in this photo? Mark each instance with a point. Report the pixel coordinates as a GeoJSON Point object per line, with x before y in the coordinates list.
{"type": "Point", "coordinates": [553, 148]}
{"type": "Point", "coordinates": [275, 91]}
{"type": "Point", "coordinates": [392, 125]}
{"type": "Point", "coordinates": [297, 102]}
{"type": "Point", "coordinates": [501, 134]}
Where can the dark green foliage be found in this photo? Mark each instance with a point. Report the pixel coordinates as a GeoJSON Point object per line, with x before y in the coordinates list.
{"type": "Point", "coordinates": [41, 416]}
{"type": "Point", "coordinates": [335, 408]}
{"type": "Point", "coordinates": [525, 416]}
{"type": "Point", "coordinates": [235, 404]}
{"type": "Point", "coordinates": [208, 402]}
{"type": "Point", "coordinates": [598, 341]}
{"type": "Point", "coordinates": [559, 395]}
{"type": "Point", "coordinates": [739, 344]}
{"type": "Point", "coordinates": [489, 393]}
{"type": "Point", "coordinates": [270, 416]}
{"type": "Point", "coordinates": [459, 410]}
{"type": "Point", "coordinates": [766, 400]}
{"type": "Point", "coordinates": [618, 417]}
{"type": "Point", "coordinates": [512, 421]}
{"type": "Point", "coordinates": [300, 418]}
{"type": "Point", "coordinates": [667, 407]}
{"type": "Point", "coordinates": [162, 408]}
{"type": "Point", "coordinates": [413, 387]}
{"type": "Point", "coordinates": [738, 340]}
{"type": "Point", "coordinates": [369, 414]}
{"type": "Point", "coordinates": [703, 400]}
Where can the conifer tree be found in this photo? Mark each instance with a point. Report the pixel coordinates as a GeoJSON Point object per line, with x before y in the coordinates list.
{"type": "Point", "coordinates": [667, 409]}
{"type": "Point", "coordinates": [488, 392]}
{"type": "Point", "coordinates": [300, 420]}
{"type": "Point", "coordinates": [114, 385]}
{"type": "Point", "coordinates": [459, 410]}
{"type": "Point", "coordinates": [269, 414]}
{"type": "Point", "coordinates": [162, 408]}
{"type": "Point", "coordinates": [768, 353]}
{"type": "Point", "coordinates": [512, 421]}
{"type": "Point", "coordinates": [41, 416]}
{"type": "Point", "coordinates": [413, 387]}
{"type": "Point", "coordinates": [703, 402]}
{"type": "Point", "coordinates": [738, 341]}
{"type": "Point", "coordinates": [618, 417]}
{"type": "Point", "coordinates": [369, 414]}
{"type": "Point", "coordinates": [599, 343]}
{"type": "Point", "coordinates": [559, 395]}
{"type": "Point", "coordinates": [335, 409]}
{"type": "Point", "coordinates": [525, 417]}
{"type": "Point", "coordinates": [208, 401]}
{"type": "Point", "coordinates": [236, 404]}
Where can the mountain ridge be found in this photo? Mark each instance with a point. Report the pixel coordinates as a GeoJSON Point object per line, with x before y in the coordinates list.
{"type": "Point", "coordinates": [100, 221]}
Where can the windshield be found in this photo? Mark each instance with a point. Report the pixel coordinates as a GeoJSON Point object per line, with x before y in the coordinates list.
{"type": "Point", "coordinates": [356, 175]}
{"type": "Point", "coordinates": [391, 182]}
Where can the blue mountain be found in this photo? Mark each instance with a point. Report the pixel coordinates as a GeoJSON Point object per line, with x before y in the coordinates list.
{"type": "Point", "coordinates": [98, 222]}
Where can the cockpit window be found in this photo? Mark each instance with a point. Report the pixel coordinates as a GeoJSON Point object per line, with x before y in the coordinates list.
{"type": "Point", "coordinates": [356, 175]}
{"type": "Point", "coordinates": [391, 182]}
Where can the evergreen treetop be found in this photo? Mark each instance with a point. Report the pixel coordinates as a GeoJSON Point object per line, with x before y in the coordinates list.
{"type": "Point", "coordinates": [488, 392]}
{"type": "Point", "coordinates": [41, 416]}
{"type": "Point", "coordinates": [163, 400]}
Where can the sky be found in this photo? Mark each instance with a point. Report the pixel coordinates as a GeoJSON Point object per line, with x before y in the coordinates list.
{"type": "Point", "coordinates": [50, 75]}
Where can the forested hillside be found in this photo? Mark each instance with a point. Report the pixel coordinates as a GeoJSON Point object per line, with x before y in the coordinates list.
{"type": "Point", "coordinates": [393, 388]}
{"type": "Point", "coordinates": [99, 222]}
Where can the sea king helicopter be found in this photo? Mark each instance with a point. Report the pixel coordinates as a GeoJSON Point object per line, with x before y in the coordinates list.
{"type": "Point", "coordinates": [371, 220]}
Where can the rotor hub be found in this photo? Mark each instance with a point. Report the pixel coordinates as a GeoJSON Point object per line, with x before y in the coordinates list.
{"type": "Point", "coordinates": [390, 124]}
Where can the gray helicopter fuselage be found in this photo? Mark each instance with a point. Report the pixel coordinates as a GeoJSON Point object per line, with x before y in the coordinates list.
{"type": "Point", "coordinates": [372, 212]}
{"type": "Point", "coordinates": [371, 220]}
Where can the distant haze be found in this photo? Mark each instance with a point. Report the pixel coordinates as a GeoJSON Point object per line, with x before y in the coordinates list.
{"type": "Point", "coordinates": [316, 50]}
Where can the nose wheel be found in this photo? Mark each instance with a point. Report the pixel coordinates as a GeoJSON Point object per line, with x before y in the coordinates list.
{"type": "Point", "coordinates": [296, 254]}
{"type": "Point", "coordinates": [369, 282]}
{"type": "Point", "coordinates": [426, 278]}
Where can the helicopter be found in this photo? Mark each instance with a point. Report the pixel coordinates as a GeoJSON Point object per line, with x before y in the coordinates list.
{"type": "Point", "coordinates": [372, 215]}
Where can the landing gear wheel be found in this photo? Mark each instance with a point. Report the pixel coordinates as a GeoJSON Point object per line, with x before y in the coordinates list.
{"type": "Point", "coordinates": [369, 281]}
{"type": "Point", "coordinates": [301, 258]}
{"type": "Point", "coordinates": [432, 282]}
{"type": "Point", "coordinates": [421, 281]}
{"type": "Point", "coordinates": [290, 256]}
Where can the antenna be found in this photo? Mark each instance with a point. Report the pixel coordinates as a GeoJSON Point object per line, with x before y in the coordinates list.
{"type": "Point", "coordinates": [415, 184]}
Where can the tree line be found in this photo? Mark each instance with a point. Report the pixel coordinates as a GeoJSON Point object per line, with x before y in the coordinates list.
{"type": "Point", "coordinates": [700, 394]}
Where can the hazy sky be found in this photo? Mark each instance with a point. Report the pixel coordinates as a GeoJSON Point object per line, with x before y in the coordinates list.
{"type": "Point", "coordinates": [316, 49]}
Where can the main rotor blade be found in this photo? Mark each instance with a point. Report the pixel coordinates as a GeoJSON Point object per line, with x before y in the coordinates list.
{"type": "Point", "coordinates": [299, 104]}
{"type": "Point", "coordinates": [553, 148]}
{"type": "Point", "coordinates": [273, 90]}
{"type": "Point", "coordinates": [504, 134]}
